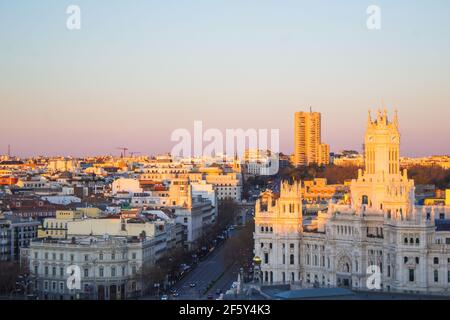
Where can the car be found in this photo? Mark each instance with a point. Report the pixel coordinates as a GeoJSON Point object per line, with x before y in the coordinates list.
{"type": "Point", "coordinates": [175, 294]}
{"type": "Point", "coordinates": [164, 297]}
{"type": "Point", "coordinates": [218, 291]}
{"type": "Point", "coordinates": [210, 297]}
{"type": "Point", "coordinates": [192, 285]}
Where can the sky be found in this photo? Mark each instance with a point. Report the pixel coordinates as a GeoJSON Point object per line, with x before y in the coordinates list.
{"type": "Point", "coordinates": [139, 69]}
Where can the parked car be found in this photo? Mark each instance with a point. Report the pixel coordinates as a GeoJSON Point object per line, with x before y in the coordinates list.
{"type": "Point", "coordinates": [192, 285]}
{"type": "Point", "coordinates": [164, 297]}
{"type": "Point", "coordinates": [210, 297]}
{"type": "Point", "coordinates": [218, 291]}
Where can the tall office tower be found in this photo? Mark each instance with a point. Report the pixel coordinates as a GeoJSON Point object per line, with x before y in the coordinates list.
{"type": "Point", "coordinates": [308, 146]}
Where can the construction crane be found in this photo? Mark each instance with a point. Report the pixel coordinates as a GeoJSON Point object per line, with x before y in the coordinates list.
{"type": "Point", "coordinates": [124, 151]}
{"type": "Point", "coordinates": [132, 153]}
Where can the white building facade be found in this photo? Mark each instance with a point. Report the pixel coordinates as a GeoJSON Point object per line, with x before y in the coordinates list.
{"type": "Point", "coordinates": [109, 266]}
{"type": "Point", "coordinates": [379, 227]}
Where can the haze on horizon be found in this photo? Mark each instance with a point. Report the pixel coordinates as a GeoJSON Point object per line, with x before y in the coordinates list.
{"type": "Point", "coordinates": [138, 70]}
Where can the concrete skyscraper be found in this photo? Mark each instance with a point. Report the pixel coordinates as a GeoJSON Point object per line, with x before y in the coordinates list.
{"type": "Point", "coordinates": [308, 145]}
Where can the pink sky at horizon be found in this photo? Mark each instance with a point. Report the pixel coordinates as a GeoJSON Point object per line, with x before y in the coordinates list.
{"type": "Point", "coordinates": [134, 73]}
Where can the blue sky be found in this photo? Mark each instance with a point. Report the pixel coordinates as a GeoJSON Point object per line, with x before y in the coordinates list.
{"type": "Point", "coordinates": [137, 70]}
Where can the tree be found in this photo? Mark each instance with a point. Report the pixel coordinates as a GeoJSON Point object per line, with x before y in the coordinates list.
{"type": "Point", "coordinates": [228, 210]}
{"type": "Point", "coordinates": [168, 264]}
{"type": "Point", "coordinates": [436, 175]}
{"type": "Point", "coordinates": [333, 174]}
{"type": "Point", "coordinates": [9, 274]}
{"type": "Point", "coordinates": [239, 248]}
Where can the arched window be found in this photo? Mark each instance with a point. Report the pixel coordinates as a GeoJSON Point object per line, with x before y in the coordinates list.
{"type": "Point", "coordinates": [347, 267]}
{"type": "Point", "coordinates": [417, 241]}
{"type": "Point", "coordinates": [365, 199]}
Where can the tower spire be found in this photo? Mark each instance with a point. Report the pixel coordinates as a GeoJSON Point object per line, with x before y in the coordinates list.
{"type": "Point", "coordinates": [396, 117]}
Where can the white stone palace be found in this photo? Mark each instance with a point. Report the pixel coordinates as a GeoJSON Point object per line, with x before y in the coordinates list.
{"type": "Point", "coordinates": [377, 225]}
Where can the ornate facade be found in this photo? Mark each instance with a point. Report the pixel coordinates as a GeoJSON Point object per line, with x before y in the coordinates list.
{"type": "Point", "coordinates": [378, 225]}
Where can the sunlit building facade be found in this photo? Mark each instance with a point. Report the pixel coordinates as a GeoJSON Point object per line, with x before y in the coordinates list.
{"type": "Point", "coordinates": [379, 226]}
{"type": "Point", "coordinates": [308, 147]}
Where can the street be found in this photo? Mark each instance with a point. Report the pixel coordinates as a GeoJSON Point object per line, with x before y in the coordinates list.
{"type": "Point", "coordinates": [212, 269]}
{"type": "Point", "coordinates": [212, 272]}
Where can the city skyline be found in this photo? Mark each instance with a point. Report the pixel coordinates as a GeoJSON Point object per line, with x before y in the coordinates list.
{"type": "Point", "coordinates": [118, 151]}
{"type": "Point", "coordinates": [133, 74]}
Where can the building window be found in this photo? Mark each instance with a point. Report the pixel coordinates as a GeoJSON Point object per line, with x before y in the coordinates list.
{"type": "Point", "coordinates": [365, 200]}
{"type": "Point", "coordinates": [54, 271]}
{"type": "Point", "coordinates": [266, 258]}
{"type": "Point", "coordinates": [61, 271]}
{"type": "Point", "coordinates": [411, 275]}
{"type": "Point", "coordinates": [436, 260]}
{"type": "Point", "coordinates": [436, 276]}
{"type": "Point", "coordinates": [113, 272]}
{"type": "Point", "coordinates": [405, 259]}
{"type": "Point", "coordinates": [86, 257]}
{"type": "Point", "coordinates": [101, 271]}
{"type": "Point", "coordinates": [86, 272]}
{"type": "Point", "coordinates": [100, 256]}
{"type": "Point", "coordinates": [133, 255]}
{"type": "Point", "coordinates": [291, 259]}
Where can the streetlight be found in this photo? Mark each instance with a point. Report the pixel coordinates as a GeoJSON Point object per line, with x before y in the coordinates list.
{"type": "Point", "coordinates": [156, 285]}
{"type": "Point", "coordinates": [257, 269]}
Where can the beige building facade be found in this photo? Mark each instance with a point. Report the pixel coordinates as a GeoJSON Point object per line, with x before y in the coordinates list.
{"type": "Point", "coordinates": [308, 147]}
